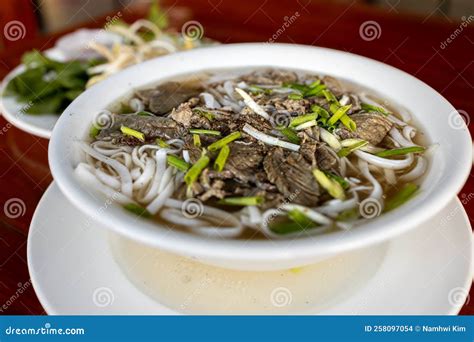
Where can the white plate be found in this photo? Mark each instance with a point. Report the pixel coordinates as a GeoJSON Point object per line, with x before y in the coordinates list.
{"type": "Point", "coordinates": [40, 125]}
{"type": "Point", "coordinates": [425, 271]}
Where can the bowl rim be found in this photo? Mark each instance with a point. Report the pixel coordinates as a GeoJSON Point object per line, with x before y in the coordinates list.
{"type": "Point", "coordinates": [271, 250]}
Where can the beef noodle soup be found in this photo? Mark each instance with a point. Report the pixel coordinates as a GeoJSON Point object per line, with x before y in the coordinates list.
{"type": "Point", "coordinates": [265, 153]}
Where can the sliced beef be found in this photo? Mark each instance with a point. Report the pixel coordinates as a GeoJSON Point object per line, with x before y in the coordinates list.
{"type": "Point", "coordinates": [292, 175]}
{"type": "Point", "coordinates": [151, 126]}
{"type": "Point", "coordinates": [245, 159]}
{"type": "Point", "coordinates": [165, 97]}
{"type": "Point", "coordinates": [371, 126]}
{"type": "Point", "coordinates": [189, 118]}
{"type": "Point", "coordinates": [254, 120]}
{"type": "Point", "coordinates": [270, 77]}
{"type": "Point", "coordinates": [327, 159]}
{"type": "Point", "coordinates": [333, 85]}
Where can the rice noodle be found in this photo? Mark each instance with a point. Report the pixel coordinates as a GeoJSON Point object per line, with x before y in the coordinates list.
{"type": "Point", "coordinates": [385, 163]}
{"type": "Point", "coordinates": [122, 170]}
{"type": "Point", "coordinates": [400, 139]}
{"type": "Point", "coordinates": [417, 171]}
{"type": "Point", "coordinates": [84, 173]}
{"type": "Point", "coordinates": [210, 101]}
{"type": "Point", "coordinates": [377, 190]}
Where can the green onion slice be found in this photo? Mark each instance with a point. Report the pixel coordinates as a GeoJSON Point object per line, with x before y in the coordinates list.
{"type": "Point", "coordinates": [345, 151]}
{"type": "Point", "coordinates": [204, 131]}
{"type": "Point", "coordinates": [224, 141]}
{"type": "Point", "coordinates": [94, 131]}
{"type": "Point", "coordinates": [195, 170]}
{"type": "Point", "coordinates": [407, 192]}
{"type": "Point", "coordinates": [196, 140]}
{"type": "Point", "coordinates": [320, 111]}
{"type": "Point", "coordinates": [137, 210]}
{"type": "Point", "coordinates": [400, 151]}
{"type": "Point", "coordinates": [290, 134]}
{"type": "Point", "coordinates": [368, 107]}
{"type": "Point", "coordinates": [302, 119]}
{"type": "Point", "coordinates": [332, 187]}
{"type": "Point", "coordinates": [255, 200]}
{"type": "Point", "coordinates": [348, 122]}
{"type": "Point", "coordinates": [221, 159]}
{"type": "Point", "coordinates": [161, 143]}
{"type": "Point", "coordinates": [339, 113]}
{"type": "Point", "coordinates": [133, 133]}
{"type": "Point", "coordinates": [329, 95]}
{"type": "Point", "coordinates": [178, 163]}
{"type": "Point", "coordinates": [299, 217]}
{"type": "Point", "coordinates": [206, 114]}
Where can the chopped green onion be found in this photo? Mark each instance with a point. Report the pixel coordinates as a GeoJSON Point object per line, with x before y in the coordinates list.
{"type": "Point", "coordinates": [345, 151]}
{"type": "Point", "coordinates": [254, 89]}
{"type": "Point", "coordinates": [320, 111]}
{"type": "Point", "coordinates": [368, 107]}
{"type": "Point", "coordinates": [161, 143]}
{"type": "Point", "coordinates": [302, 119]}
{"type": "Point", "coordinates": [219, 163]}
{"type": "Point", "coordinates": [290, 134]}
{"type": "Point", "coordinates": [295, 96]}
{"type": "Point", "coordinates": [196, 140]}
{"type": "Point", "coordinates": [340, 112]}
{"type": "Point", "coordinates": [144, 113]}
{"type": "Point", "coordinates": [94, 131]}
{"type": "Point", "coordinates": [315, 91]}
{"type": "Point", "coordinates": [137, 210]}
{"type": "Point", "coordinates": [348, 122]}
{"type": "Point", "coordinates": [300, 87]}
{"type": "Point", "coordinates": [133, 133]}
{"type": "Point", "coordinates": [224, 141]}
{"type": "Point", "coordinates": [299, 217]}
{"type": "Point", "coordinates": [207, 115]}
{"type": "Point", "coordinates": [329, 95]}
{"type": "Point", "coordinates": [400, 151]}
{"type": "Point", "coordinates": [345, 184]}
{"type": "Point", "coordinates": [332, 187]}
{"type": "Point", "coordinates": [195, 170]}
{"type": "Point", "coordinates": [349, 214]}
{"type": "Point", "coordinates": [315, 83]}
{"type": "Point", "coordinates": [406, 193]}
{"type": "Point", "coordinates": [204, 131]}
{"type": "Point", "coordinates": [178, 163]}
{"type": "Point", "coordinates": [305, 125]}
{"type": "Point", "coordinates": [255, 200]}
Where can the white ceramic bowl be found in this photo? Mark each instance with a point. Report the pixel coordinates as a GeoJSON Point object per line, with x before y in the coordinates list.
{"type": "Point", "coordinates": [438, 119]}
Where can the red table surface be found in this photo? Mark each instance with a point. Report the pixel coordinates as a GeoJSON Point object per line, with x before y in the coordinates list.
{"type": "Point", "coordinates": [410, 43]}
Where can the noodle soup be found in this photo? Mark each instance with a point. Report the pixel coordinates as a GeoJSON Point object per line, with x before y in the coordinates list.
{"type": "Point", "coordinates": [266, 153]}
